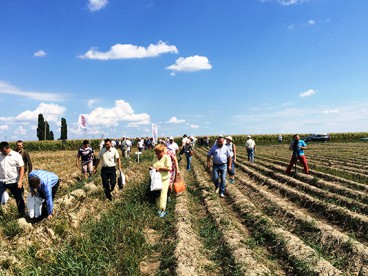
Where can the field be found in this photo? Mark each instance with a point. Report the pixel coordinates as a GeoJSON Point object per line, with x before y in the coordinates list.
{"type": "Point", "coordinates": [268, 223]}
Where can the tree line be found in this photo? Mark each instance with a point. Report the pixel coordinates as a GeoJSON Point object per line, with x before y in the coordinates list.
{"type": "Point", "coordinates": [44, 132]}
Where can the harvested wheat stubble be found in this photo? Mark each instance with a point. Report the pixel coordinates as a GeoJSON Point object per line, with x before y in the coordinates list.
{"type": "Point", "coordinates": [190, 260]}
{"type": "Point", "coordinates": [243, 256]}
{"type": "Point", "coordinates": [295, 250]}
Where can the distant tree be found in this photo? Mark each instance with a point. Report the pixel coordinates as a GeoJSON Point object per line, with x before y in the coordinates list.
{"type": "Point", "coordinates": [50, 136]}
{"type": "Point", "coordinates": [41, 128]}
{"type": "Point", "coordinates": [63, 130]}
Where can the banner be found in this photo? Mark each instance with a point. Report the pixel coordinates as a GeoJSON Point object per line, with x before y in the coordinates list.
{"type": "Point", "coordinates": [82, 121]}
{"type": "Point", "coordinates": [155, 133]}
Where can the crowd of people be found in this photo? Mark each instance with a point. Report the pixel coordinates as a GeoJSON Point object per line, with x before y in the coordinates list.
{"type": "Point", "coordinates": [16, 165]}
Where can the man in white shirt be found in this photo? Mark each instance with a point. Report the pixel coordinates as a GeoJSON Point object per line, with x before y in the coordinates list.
{"type": "Point", "coordinates": [110, 158]}
{"type": "Point", "coordinates": [182, 147]}
{"type": "Point", "coordinates": [171, 145]}
{"type": "Point", "coordinates": [11, 175]}
{"type": "Point", "coordinates": [251, 148]}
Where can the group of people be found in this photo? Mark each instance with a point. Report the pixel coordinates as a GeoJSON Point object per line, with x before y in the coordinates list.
{"type": "Point", "coordinates": [14, 165]}
{"type": "Point", "coordinates": [223, 154]}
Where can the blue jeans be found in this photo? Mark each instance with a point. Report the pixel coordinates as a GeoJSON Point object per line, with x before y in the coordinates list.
{"type": "Point", "coordinates": [232, 172]}
{"type": "Point", "coordinates": [250, 155]}
{"type": "Point", "coordinates": [217, 172]}
{"type": "Point", "coordinates": [189, 159]}
{"type": "Point", "coordinates": [17, 193]}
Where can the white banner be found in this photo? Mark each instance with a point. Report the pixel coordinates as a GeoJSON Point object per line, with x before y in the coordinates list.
{"type": "Point", "coordinates": [82, 121]}
{"type": "Point", "coordinates": [155, 132]}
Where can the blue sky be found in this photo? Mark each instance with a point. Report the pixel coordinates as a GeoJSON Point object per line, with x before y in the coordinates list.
{"type": "Point", "coordinates": [198, 67]}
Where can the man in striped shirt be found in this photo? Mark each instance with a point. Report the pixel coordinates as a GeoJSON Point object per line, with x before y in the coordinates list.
{"type": "Point", "coordinates": [46, 184]}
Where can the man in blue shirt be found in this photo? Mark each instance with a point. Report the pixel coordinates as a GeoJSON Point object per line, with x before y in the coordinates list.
{"type": "Point", "coordinates": [298, 146]}
{"type": "Point", "coordinates": [46, 184]}
{"type": "Point", "coordinates": [221, 164]}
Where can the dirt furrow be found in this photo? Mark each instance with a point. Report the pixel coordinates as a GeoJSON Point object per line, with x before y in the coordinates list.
{"type": "Point", "coordinates": [232, 236]}
{"type": "Point", "coordinates": [294, 250]}
{"type": "Point", "coordinates": [188, 251]}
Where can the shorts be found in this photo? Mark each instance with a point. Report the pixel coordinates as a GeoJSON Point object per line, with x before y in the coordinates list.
{"type": "Point", "coordinates": [87, 168]}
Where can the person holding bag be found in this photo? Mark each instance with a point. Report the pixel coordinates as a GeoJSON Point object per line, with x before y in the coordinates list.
{"type": "Point", "coordinates": [162, 164]}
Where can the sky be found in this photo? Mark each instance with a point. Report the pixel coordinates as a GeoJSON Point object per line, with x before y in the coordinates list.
{"type": "Point", "coordinates": [196, 67]}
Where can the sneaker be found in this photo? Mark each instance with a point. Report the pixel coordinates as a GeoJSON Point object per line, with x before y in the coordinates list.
{"type": "Point", "coordinates": [217, 190]}
{"type": "Point", "coordinates": [222, 195]}
{"type": "Point", "coordinates": [159, 212]}
{"type": "Point", "coordinates": [162, 214]}
{"type": "Point", "coordinates": [232, 181]}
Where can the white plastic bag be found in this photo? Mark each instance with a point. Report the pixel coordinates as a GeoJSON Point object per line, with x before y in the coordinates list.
{"type": "Point", "coordinates": [34, 205]}
{"type": "Point", "coordinates": [121, 179]}
{"type": "Point", "coordinates": [4, 198]}
{"type": "Point", "coordinates": [156, 180]}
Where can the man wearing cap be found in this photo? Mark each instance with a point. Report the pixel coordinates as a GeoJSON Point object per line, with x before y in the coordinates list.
{"type": "Point", "coordinates": [171, 145]}
{"type": "Point", "coordinates": [221, 164]}
{"type": "Point", "coordinates": [251, 148]}
{"type": "Point", "coordinates": [232, 148]}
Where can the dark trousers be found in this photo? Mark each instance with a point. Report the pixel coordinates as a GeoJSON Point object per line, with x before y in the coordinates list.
{"type": "Point", "coordinates": [44, 206]}
{"type": "Point", "coordinates": [17, 193]}
{"type": "Point", "coordinates": [108, 175]}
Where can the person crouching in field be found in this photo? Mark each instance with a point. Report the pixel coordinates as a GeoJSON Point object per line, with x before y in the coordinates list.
{"type": "Point", "coordinates": [46, 184]}
{"type": "Point", "coordinates": [162, 163]}
{"type": "Point", "coordinates": [298, 146]}
{"type": "Point", "coordinates": [110, 158]}
{"type": "Point", "coordinates": [86, 154]}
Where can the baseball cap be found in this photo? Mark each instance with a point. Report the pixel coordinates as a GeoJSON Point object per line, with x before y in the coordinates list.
{"type": "Point", "coordinates": [249, 136]}
{"type": "Point", "coordinates": [229, 137]}
{"type": "Point", "coordinates": [171, 138]}
{"type": "Point", "coordinates": [220, 136]}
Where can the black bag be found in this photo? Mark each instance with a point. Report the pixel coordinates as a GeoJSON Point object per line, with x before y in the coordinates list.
{"type": "Point", "coordinates": [152, 194]}
{"type": "Point", "coordinates": [94, 161]}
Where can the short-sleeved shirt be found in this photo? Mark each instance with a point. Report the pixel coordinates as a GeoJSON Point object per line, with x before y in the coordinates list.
{"type": "Point", "coordinates": [86, 155]}
{"type": "Point", "coordinates": [9, 167]}
{"type": "Point", "coordinates": [230, 146]}
{"type": "Point", "coordinates": [108, 157]}
{"type": "Point", "coordinates": [250, 144]}
{"type": "Point", "coordinates": [220, 155]}
{"type": "Point", "coordinates": [47, 181]}
{"type": "Point", "coordinates": [297, 150]}
{"type": "Point", "coordinates": [174, 146]}
{"type": "Point", "coordinates": [164, 162]}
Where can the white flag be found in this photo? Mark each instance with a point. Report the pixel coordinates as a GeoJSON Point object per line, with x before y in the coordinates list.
{"type": "Point", "coordinates": [155, 133]}
{"type": "Point", "coordinates": [82, 121]}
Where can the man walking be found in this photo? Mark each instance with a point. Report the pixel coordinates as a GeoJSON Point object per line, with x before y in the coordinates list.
{"type": "Point", "coordinates": [46, 184]}
{"type": "Point", "coordinates": [110, 158]}
{"type": "Point", "coordinates": [11, 175]}
{"type": "Point", "coordinates": [221, 163]}
{"type": "Point", "coordinates": [26, 158]}
{"type": "Point", "coordinates": [298, 146]}
{"type": "Point", "coordinates": [86, 154]}
{"type": "Point", "coordinates": [251, 148]}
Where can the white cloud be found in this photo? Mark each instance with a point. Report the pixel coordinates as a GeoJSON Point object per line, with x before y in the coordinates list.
{"type": "Point", "coordinates": [91, 102]}
{"type": "Point", "coordinates": [311, 22]}
{"type": "Point", "coordinates": [51, 113]}
{"type": "Point", "coordinates": [290, 27]}
{"type": "Point", "coordinates": [7, 88]}
{"type": "Point", "coordinates": [122, 111]}
{"type": "Point", "coordinates": [290, 2]}
{"type": "Point", "coordinates": [127, 51]}
{"type": "Point", "coordinates": [96, 5]}
{"type": "Point", "coordinates": [190, 64]}
{"type": "Point", "coordinates": [307, 93]}
{"type": "Point", "coordinates": [174, 120]}
{"type": "Point", "coordinates": [331, 111]}
{"type": "Point", "coordinates": [4, 127]}
{"type": "Point", "coordinates": [194, 126]}
{"type": "Point", "coordinates": [40, 53]}
{"type": "Point", "coordinates": [20, 131]}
